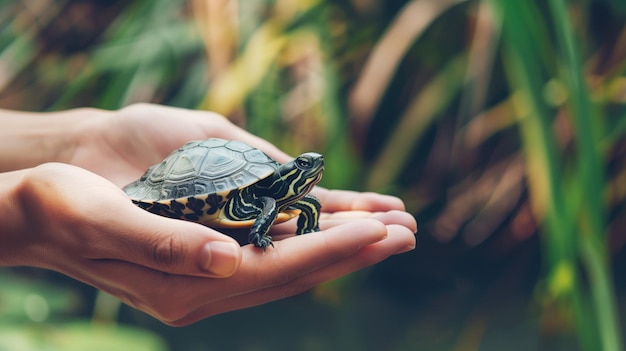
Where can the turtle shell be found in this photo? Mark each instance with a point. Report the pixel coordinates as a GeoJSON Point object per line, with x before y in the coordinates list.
{"type": "Point", "coordinates": [195, 181]}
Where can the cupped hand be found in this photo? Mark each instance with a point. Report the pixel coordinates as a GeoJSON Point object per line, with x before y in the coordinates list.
{"type": "Point", "coordinates": [121, 145]}
{"type": "Point", "coordinates": [358, 229]}
{"type": "Point", "coordinates": [84, 226]}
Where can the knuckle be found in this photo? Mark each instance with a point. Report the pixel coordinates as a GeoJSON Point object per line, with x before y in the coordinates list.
{"type": "Point", "coordinates": [41, 191]}
{"type": "Point", "coordinates": [167, 253]}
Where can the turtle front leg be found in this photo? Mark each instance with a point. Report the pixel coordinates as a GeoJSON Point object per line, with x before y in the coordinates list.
{"type": "Point", "coordinates": [308, 221]}
{"type": "Point", "coordinates": [258, 232]}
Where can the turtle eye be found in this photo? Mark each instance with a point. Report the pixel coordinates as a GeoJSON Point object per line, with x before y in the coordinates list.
{"type": "Point", "coordinates": [303, 163]}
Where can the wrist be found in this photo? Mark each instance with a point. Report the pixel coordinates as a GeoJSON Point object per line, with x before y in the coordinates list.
{"type": "Point", "coordinates": [30, 138]}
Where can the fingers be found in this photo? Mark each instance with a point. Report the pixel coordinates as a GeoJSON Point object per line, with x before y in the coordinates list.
{"type": "Point", "coordinates": [344, 200]}
{"type": "Point", "coordinates": [293, 258]}
{"type": "Point", "coordinates": [292, 266]}
{"type": "Point", "coordinates": [328, 220]}
{"type": "Point", "coordinates": [399, 240]}
{"type": "Point", "coordinates": [392, 217]}
{"type": "Point", "coordinates": [171, 297]}
{"type": "Point", "coordinates": [168, 245]}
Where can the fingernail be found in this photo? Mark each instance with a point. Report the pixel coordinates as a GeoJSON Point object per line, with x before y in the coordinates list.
{"type": "Point", "coordinates": [221, 258]}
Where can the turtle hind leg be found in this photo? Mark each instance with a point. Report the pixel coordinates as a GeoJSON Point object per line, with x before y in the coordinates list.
{"type": "Point", "coordinates": [258, 232]}
{"type": "Point", "coordinates": [308, 221]}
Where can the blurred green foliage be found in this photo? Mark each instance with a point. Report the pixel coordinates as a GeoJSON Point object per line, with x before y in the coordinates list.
{"type": "Point", "coordinates": [501, 124]}
{"type": "Point", "coordinates": [35, 315]}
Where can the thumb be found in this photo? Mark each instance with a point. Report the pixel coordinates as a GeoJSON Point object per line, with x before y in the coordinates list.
{"type": "Point", "coordinates": [171, 245]}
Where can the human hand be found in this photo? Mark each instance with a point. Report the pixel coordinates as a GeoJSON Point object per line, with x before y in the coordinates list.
{"type": "Point", "coordinates": [84, 226]}
{"type": "Point", "coordinates": [121, 145]}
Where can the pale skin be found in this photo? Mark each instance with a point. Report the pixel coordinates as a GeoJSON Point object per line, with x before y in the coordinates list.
{"type": "Point", "coordinates": [61, 208]}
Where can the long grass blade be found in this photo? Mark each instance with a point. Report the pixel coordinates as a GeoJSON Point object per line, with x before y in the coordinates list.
{"type": "Point", "coordinates": [591, 180]}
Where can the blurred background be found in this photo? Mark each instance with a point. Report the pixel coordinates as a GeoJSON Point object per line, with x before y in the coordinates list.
{"type": "Point", "coordinates": [500, 124]}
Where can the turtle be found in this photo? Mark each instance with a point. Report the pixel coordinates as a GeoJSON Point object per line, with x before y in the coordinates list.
{"type": "Point", "coordinates": [229, 184]}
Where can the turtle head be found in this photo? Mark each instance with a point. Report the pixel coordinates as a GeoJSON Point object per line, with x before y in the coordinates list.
{"type": "Point", "coordinates": [301, 174]}
{"type": "Point", "coordinates": [311, 166]}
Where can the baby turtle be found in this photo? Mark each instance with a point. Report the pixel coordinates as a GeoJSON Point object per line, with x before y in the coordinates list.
{"type": "Point", "coordinates": [228, 184]}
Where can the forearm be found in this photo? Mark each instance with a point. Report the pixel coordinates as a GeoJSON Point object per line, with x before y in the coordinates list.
{"type": "Point", "coordinates": [28, 139]}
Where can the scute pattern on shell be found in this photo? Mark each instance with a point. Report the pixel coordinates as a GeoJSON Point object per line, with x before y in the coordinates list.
{"type": "Point", "coordinates": [212, 166]}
